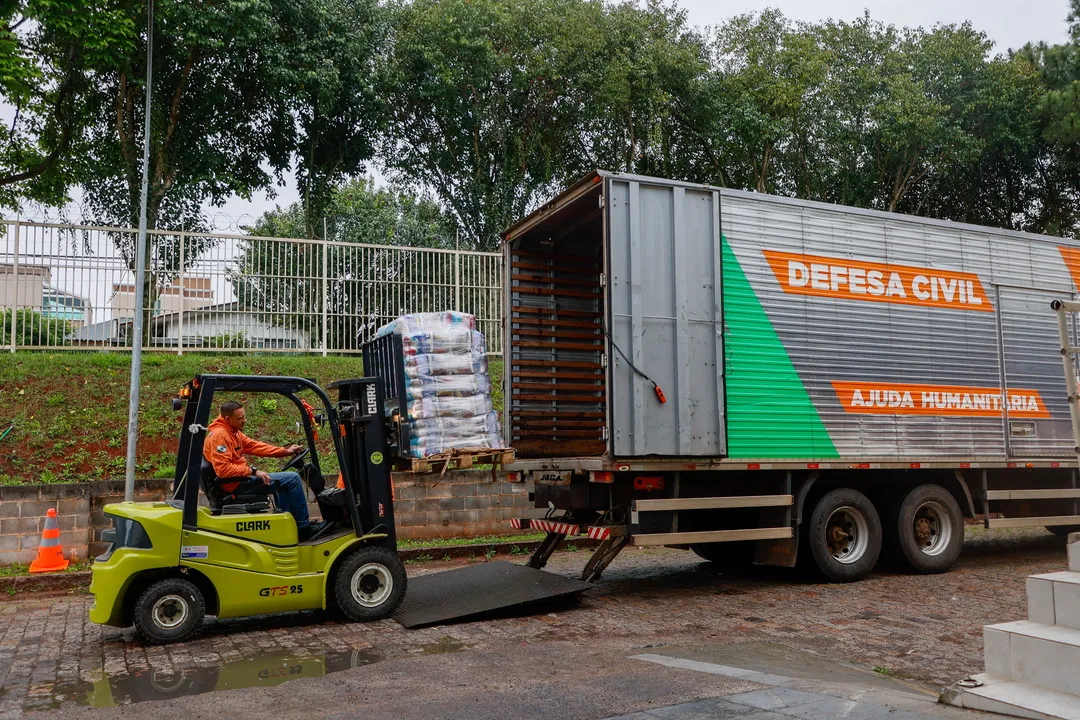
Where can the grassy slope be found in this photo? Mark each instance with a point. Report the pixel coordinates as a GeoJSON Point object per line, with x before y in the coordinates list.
{"type": "Point", "coordinates": [70, 410]}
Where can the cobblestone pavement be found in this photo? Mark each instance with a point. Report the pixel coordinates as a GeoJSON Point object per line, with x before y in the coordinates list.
{"type": "Point", "coordinates": [927, 629]}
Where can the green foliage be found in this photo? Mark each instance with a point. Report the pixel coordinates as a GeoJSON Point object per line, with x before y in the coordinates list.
{"type": "Point", "coordinates": [31, 328]}
{"type": "Point", "coordinates": [241, 87]}
{"type": "Point", "coordinates": [477, 91]}
{"type": "Point", "coordinates": [84, 437]}
{"type": "Point", "coordinates": [49, 50]}
{"type": "Point", "coordinates": [491, 105]}
{"type": "Point", "coordinates": [231, 341]}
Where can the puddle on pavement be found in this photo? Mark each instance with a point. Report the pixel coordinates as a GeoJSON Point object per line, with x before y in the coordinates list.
{"type": "Point", "coordinates": [263, 670]}
{"type": "Point", "coordinates": [445, 644]}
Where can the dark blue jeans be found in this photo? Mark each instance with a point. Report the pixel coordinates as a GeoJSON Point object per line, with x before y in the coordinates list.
{"type": "Point", "coordinates": [289, 491]}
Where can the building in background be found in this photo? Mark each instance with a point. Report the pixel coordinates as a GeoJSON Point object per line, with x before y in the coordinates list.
{"type": "Point", "coordinates": [25, 288]}
{"type": "Point", "coordinates": [56, 303]}
{"type": "Point", "coordinates": [29, 288]}
{"type": "Point", "coordinates": [227, 325]}
{"type": "Point", "coordinates": [195, 293]}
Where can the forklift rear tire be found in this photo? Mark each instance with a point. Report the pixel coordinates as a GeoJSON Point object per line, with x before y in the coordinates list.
{"type": "Point", "coordinates": [170, 610]}
{"type": "Point", "coordinates": [370, 584]}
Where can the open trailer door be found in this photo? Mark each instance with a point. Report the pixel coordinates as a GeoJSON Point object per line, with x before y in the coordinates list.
{"type": "Point", "coordinates": [665, 315]}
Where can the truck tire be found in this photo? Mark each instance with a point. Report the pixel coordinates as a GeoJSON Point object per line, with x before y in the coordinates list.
{"type": "Point", "coordinates": [370, 584]}
{"type": "Point", "coordinates": [726, 556]}
{"type": "Point", "coordinates": [170, 610]}
{"type": "Point", "coordinates": [844, 535]}
{"type": "Point", "coordinates": [929, 530]}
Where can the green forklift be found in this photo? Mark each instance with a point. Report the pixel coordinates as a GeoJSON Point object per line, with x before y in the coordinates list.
{"type": "Point", "coordinates": [169, 564]}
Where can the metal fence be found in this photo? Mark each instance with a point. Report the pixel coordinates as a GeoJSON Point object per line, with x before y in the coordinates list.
{"type": "Point", "coordinates": [68, 287]}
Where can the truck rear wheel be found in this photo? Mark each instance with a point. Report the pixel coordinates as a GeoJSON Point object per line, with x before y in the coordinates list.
{"type": "Point", "coordinates": [170, 610]}
{"type": "Point", "coordinates": [370, 584]}
{"type": "Point", "coordinates": [929, 530]}
{"type": "Point", "coordinates": [844, 535]}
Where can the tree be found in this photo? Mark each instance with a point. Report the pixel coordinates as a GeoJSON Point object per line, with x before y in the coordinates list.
{"type": "Point", "coordinates": [480, 111]}
{"type": "Point", "coordinates": [766, 69]}
{"type": "Point", "coordinates": [634, 87]}
{"type": "Point", "coordinates": [48, 49]}
{"type": "Point", "coordinates": [336, 72]}
{"type": "Point", "coordinates": [220, 112]}
{"type": "Point", "coordinates": [368, 283]}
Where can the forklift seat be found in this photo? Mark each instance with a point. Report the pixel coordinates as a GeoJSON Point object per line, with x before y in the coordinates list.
{"type": "Point", "coordinates": [249, 495]}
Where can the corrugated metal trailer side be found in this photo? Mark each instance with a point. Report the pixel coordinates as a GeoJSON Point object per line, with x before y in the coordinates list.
{"type": "Point", "coordinates": [889, 336]}
{"type": "Point", "coordinates": [837, 377]}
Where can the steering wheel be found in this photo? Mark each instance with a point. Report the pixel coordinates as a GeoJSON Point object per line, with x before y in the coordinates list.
{"type": "Point", "coordinates": [296, 460]}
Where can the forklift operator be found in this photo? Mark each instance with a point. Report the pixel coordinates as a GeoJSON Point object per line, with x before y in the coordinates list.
{"type": "Point", "coordinates": [225, 447]}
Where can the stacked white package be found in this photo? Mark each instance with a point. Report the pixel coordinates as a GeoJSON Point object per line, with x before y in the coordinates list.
{"type": "Point", "coordinates": [446, 389]}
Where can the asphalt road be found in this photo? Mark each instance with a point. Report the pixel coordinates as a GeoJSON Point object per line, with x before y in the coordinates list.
{"type": "Point", "coordinates": [648, 639]}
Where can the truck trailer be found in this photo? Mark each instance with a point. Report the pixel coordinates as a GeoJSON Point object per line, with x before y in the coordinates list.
{"type": "Point", "coordinates": [760, 379]}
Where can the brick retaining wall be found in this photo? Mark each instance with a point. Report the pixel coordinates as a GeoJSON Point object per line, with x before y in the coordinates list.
{"type": "Point", "coordinates": [78, 510]}
{"type": "Point", "coordinates": [461, 504]}
{"type": "Point", "coordinates": [466, 503]}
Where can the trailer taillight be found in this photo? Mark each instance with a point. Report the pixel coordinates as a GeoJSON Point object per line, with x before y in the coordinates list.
{"type": "Point", "coordinates": [514, 476]}
{"type": "Point", "coordinates": [649, 483]}
{"type": "Point", "coordinates": [597, 476]}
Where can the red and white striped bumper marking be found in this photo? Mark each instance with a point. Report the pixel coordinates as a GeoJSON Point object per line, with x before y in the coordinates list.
{"type": "Point", "coordinates": [554, 527]}
{"type": "Point", "coordinates": [594, 533]}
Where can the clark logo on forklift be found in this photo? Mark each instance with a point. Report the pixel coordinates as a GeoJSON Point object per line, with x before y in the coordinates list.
{"type": "Point", "coordinates": [251, 525]}
{"type": "Point", "coordinates": [372, 400]}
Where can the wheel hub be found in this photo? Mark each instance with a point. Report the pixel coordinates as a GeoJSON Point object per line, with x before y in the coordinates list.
{"type": "Point", "coordinates": [847, 535]}
{"type": "Point", "coordinates": [170, 611]}
{"type": "Point", "coordinates": [932, 528]}
{"type": "Point", "coordinates": [372, 584]}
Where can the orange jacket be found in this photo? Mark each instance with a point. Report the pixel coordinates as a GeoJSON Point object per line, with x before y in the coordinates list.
{"type": "Point", "coordinates": [225, 448]}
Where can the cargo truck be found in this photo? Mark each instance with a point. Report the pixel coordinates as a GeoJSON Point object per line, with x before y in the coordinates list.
{"type": "Point", "coordinates": [763, 379]}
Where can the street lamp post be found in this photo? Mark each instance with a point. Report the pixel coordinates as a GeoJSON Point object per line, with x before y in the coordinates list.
{"type": "Point", "coordinates": [140, 272]}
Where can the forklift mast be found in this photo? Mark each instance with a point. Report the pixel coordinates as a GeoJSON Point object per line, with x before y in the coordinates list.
{"type": "Point", "coordinates": [366, 455]}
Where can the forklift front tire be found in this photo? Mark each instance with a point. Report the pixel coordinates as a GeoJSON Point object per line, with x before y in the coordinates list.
{"type": "Point", "coordinates": [170, 610]}
{"type": "Point", "coordinates": [370, 584]}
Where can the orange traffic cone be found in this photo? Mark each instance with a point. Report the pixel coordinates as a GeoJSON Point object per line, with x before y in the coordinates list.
{"type": "Point", "coordinates": [50, 554]}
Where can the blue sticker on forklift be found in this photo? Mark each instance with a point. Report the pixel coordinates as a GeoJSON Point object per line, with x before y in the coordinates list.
{"type": "Point", "coordinates": [194, 552]}
{"type": "Point", "coordinates": [376, 458]}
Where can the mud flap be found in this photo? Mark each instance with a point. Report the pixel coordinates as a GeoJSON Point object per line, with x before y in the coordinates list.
{"type": "Point", "coordinates": [469, 592]}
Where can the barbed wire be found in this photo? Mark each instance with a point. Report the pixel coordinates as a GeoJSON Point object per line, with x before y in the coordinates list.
{"type": "Point", "coordinates": [76, 213]}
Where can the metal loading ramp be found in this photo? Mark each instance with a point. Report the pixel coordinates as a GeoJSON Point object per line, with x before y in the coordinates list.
{"type": "Point", "coordinates": [475, 590]}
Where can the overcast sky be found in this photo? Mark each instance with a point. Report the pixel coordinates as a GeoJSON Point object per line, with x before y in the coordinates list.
{"type": "Point", "coordinates": [1008, 23]}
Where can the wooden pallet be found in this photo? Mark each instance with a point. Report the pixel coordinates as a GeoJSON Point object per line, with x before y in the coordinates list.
{"type": "Point", "coordinates": [460, 459]}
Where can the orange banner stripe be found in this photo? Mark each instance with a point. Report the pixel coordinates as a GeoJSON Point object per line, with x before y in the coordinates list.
{"type": "Point", "coordinates": [877, 282]}
{"type": "Point", "coordinates": [1071, 256]}
{"type": "Point", "coordinates": [949, 400]}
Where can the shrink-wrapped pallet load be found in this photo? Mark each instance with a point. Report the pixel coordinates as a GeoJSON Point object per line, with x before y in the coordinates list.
{"type": "Point", "coordinates": [446, 394]}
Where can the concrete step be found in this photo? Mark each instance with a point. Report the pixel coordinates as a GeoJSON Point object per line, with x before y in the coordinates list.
{"type": "Point", "coordinates": [1074, 552]}
{"type": "Point", "coordinates": [1007, 697]}
{"type": "Point", "coordinates": [1036, 653]}
{"type": "Point", "coordinates": [1054, 599]}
